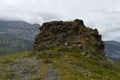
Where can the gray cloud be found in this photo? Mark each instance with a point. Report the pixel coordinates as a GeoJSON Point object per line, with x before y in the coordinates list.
{"type": "Point", "coordinates": [49, 16]}
{"type": "Point", "coordinates": [109, 24]}
{"type": "Point", "coordinates": [101, 14]}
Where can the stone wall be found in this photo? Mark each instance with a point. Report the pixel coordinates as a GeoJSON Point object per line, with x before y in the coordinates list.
{"type": "Point", "coordinates": [69, 34]}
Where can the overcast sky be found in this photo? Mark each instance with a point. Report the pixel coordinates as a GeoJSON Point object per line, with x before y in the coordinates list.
{"type": "Point", "coordinates": [101, 14]}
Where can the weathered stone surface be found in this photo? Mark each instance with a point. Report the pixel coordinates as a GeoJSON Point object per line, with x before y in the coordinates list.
{"type": "Point", "coordinates": [69, 34]}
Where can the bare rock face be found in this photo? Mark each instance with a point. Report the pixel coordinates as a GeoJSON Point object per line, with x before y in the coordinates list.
{"type": "Point", "coordinates": [69, 34]}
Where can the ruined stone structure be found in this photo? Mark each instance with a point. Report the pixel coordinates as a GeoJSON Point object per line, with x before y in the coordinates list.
{"type": "Point", "coordinates": [69, 34]}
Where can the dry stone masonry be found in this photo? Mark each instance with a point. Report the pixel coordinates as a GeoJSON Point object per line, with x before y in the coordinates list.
{"type": "Point", "coordinates": [69, 34]}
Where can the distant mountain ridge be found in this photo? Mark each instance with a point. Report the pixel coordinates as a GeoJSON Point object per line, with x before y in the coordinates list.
{"type": "Point", "coordinates": [19, 29]}
{"type": "Point", "coordinates": [16, 36]}
{"type": "Point", "coordinates": [112, 50]}
{"type": "Point", "coordinates": [10, 45]}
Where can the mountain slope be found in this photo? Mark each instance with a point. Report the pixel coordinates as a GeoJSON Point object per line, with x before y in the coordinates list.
{"type": "Point", "coordinates": [19, 29]}
{"type": "Point", "coordinates": [112, 50]}
{"type": "Point", "coordinates": [16, 36]}
{"type": "Point", "coordinates": [57, 66]}
{"type": "Point", "coordinates": [9, 44]}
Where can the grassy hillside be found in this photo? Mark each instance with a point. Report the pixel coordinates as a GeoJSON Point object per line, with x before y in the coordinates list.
{"type": "Point", "coordinates": [57, 65]}
{"type": "Point", "coordinates": [62, 51]}
{"type": "Point", "coordinates": [9, 44]}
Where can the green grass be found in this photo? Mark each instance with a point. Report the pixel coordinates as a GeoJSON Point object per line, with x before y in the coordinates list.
{"type": "Point", "coordinates": [5, 62]}
{"type": "Point", "coordinates": [75, 66]}
{"type": "Point", "coordinates": [69, 65]}
{"type": "Point", "coordinates": [78, 67]}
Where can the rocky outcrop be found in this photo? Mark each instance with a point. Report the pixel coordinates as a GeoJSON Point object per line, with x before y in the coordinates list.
{"type": "Point", "coordinates": [69, 34]}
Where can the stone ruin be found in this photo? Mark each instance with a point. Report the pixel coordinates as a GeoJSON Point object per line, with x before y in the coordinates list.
{"type": "Point", "coordinates": [69, 34]}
